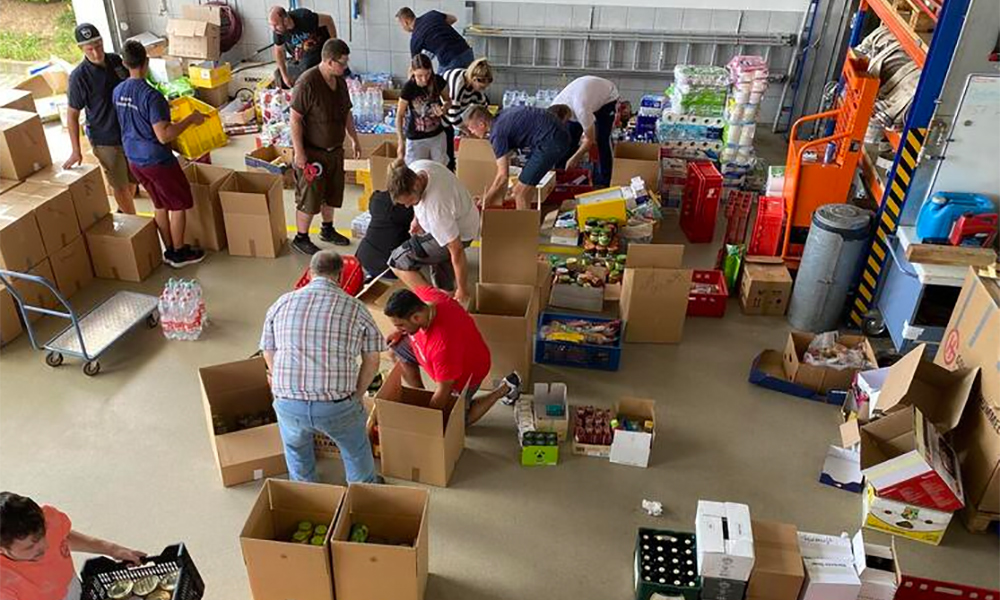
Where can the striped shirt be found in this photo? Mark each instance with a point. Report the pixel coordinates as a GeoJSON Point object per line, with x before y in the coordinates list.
{"type": "Point", "coordinates": [317, 334]}
{"type": "Point", "coordinates": [462, 96]}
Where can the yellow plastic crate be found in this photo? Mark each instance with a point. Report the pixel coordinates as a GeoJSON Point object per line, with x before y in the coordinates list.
{"type": "Point", "coordinates": [364, 178]}
{"type": "Point", "coordinates": [204, 75]}
{"type": "Point", "coordinates": [197, 140]}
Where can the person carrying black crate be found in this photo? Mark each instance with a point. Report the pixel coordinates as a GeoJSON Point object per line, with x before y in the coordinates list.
{"type": "Point", "coordinates": [35, 546]}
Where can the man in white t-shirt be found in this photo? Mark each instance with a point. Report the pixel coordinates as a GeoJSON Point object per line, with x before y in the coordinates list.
{"type": "Point", "coordinates": [445, 221]}
{"type": "Point", "coordinates": [593, 101]}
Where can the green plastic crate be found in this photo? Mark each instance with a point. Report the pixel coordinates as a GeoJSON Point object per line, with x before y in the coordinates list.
{"type": "Point", "coordinates": [666, 563]}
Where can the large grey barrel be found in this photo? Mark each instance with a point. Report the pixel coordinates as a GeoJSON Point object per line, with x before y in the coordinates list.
{"type": "Point", "coordinates": [838, 236]}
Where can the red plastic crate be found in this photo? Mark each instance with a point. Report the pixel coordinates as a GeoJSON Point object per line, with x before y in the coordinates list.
{"type": "Point", "coordinates": [766, 237]}
{"type": "Point", "coordinates": [916, 588]}
{"type": "Point", "coordinates": [708, 305]}
{"type": "Point", "coordinates": [352, 276]}
{"type": "Point", "coordinates": [570, 183]}
{"type": "Point", "coordinates": [702, 193]}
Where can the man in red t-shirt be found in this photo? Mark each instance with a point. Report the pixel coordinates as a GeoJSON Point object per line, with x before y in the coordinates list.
{"type": "Point", "coordinates": [436, 333]}
{"type": "Point", "coordinates": [35, 545]}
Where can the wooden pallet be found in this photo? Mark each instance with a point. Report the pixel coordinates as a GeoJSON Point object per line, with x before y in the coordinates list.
{"type": "Point", "coordinates": [977, 521]}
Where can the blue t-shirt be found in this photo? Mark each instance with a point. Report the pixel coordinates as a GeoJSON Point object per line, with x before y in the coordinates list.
{"type": "Point", "coordinates": [139, 107]}
{"type": "Point", "coordinates": [522, 128]}
{"type": "Point", "coordinates": [432, 33]}
{"type": "Point", "coordinates": [90, 89]}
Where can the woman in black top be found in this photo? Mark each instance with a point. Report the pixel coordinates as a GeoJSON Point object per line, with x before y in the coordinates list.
{"type": "Point", "coordinates": [389, 227]}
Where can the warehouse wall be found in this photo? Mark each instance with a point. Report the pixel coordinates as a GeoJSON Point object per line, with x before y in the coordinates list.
{"type": "Point", "coordinates": [378, 44]}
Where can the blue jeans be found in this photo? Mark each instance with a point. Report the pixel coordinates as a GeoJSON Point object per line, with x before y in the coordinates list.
{"type": "Point", "coordinates": [604, 122]}
{"type": "Point", "coordinates": [343, 422]}
{"type": "Point", "coordinates": [462, 61]}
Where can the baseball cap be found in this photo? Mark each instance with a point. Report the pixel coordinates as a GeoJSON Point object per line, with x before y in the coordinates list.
{"type": "Point", "coordinates": [86, 33]}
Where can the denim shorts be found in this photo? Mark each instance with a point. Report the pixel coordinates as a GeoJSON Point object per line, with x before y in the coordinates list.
{"type": "Point", "coordinates": [544, 157]}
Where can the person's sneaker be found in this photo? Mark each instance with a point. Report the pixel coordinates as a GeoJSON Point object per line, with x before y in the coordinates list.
{"type": "Point", "coordinates": [513, 383]}
{"type": "Point", "coordinates": [304, 245]}
{"type": "Point", "coordinates": [331, 235]}
{"type": "Point", "coordinates": [184, 257]}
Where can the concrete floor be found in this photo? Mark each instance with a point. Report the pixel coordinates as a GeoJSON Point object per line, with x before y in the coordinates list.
{"type": "Point", "coordinates": [126, 454]}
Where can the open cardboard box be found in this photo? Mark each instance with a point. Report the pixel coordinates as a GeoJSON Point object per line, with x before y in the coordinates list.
{"type": "Point", "coordinates": [635, 159]}
{"type": "Point", "coordinates": [206, 227]}
{"type": "Point", "coordinates": [818, 378]}
{"type": "Point", "coordinates": [397, 567]}
{"type": "Point", "coordinates": [375, 295]}
{"type": "Point", "coordinates": [554, 393]}
{"type": "Point", "coordinates": [940, 394]}
{"type": "Point", "coordinates": [232, 389]}
{"type": "Point", "coordinates": [476, 165]}
{"type": "Point", "coordinates": [878, 568]}
{"type": "Point", "coordinates": [254, 213]}
{"type": "Point", "coordinates": [506, 315]}
{"type": "Point", "coordinates": [829, 568]}
{"type": "Point", "coordinates": [278, 568]}
{"type": "Point", "coordinates": [418, 443]}
{"type": "Point", "coordinates": [777, 573]}
{"type": "Point", "coordinates": [633, 447]}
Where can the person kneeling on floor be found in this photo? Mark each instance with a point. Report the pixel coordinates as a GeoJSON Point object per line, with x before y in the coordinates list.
{"type": "Point", "coordinates": [389, 227]}
{"type": "Point", "coordinates": [312, 341]}
{"type": "Point", "coordinates": [35, 546]}
{"type": "Point", "coordinates": [434, 332]}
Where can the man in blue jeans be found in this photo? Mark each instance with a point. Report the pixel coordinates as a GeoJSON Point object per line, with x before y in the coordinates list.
{"type": "Point", "coordinates": [311, 343]}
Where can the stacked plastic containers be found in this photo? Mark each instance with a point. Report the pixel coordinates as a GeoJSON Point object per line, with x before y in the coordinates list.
{"type": "Point", "coordinates": [182, 309]}
{"type": "Point", "coordinates": [748, 75]}
{"type": "Point", "coordinates": [699, 90]}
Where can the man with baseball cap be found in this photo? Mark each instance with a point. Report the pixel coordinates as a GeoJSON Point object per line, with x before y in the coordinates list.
{"type": "Point", "coordinates": [90, 87]}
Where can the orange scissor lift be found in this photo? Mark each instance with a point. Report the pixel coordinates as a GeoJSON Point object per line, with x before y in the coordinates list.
{"type": "Point", "coordinates": [820, 171]}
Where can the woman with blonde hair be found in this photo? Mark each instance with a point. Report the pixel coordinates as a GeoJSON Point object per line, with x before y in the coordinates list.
{"type": "Point", "coordinates": [423, 104]}
{"type": "Point", "coordinates": [467, 88]}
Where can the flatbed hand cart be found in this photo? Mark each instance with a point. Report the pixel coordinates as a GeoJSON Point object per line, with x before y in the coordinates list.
{"type": "Point", "coordinates": [87, 336]}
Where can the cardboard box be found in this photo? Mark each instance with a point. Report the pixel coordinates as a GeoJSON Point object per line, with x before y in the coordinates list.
{"type": "Point", "coordinates": [396, 569]}
{"type": "Point", "coordinates": [206, 226]}
{"type": "Point", "coordinates": [156, 46]}
{"type": "Point", "coordinates": [765, 286]}
{"type": "Point", "coordinates": [375, 295]}
{"type": "Point", "coordinates": [227, 391]}
{"type": "Point", "coordinates": [476, 166]}
{"type": "Point", "coordinates": [369, 142]}
{"type": "Point", "coordinates": [254, 213]}
{"type": "Point", "coordinates": [655, 293]}
{"type": "Point", "coordinates": [725, 540]}
{"type": "Point", "coordinates": [269, 159]}
{"type": "Point", "coordinates": [278, 568]}
{"type": "Point", "coordinates": [918, 523]}
{"type": "Point", "coordinates": [379, 162]}
{"type": "Point", "coordinates": [577, 297]}
{"type": "Point", "coordinates": [814, 377]}
{"type": "Point", "coordinates": [21, 244]}
{"type": "Point", "coordinates": [37, 295]}
{"type": "Point", "coordinates": [978, 443]}
{"type": "Point", "coordinates": [539, 449]}
{"type": "Point", "coordinates": [210, 74]}
{"type": "Point", "coordinates": [635, 159]}
{"type": "Point", "coordinates": [217, 96]}
{"type": "Point", "coordinates": [86, 186]}
{"type": "Point", "coordinates": [193, 39]}
{"type": "Point", "coordinates": [506, 315]}
{"type": "Point", "coordinates": [609, 210]}
{"type": "Point", "coordinates": [542, 190]}
{"type": "Point", "coordinates": [419, 443]}
{"type": "Point", "coordinates": [904, 458]}
{"type": "Point", "coordinates": [125, 247]}
{"type": "Point", "coordinates": [713, 588]}
{"type": "Point", "coordinates": [829, 568]}
{"type": "Point", "coordinates": [940, 394]}
{"type": "Point", "coordinates": [72, 268]}
{"type": "Point", "coordinates": [777, 570]}
{"type": "Point", "coordinates": [16, 99]}
{"type": "Point", "coordinates": [23, 148]}
{"type": "Point", "coordinates": [877, 568]}
{"type": "Point", "coordinates": [509, 248]}
{"type": "Point", "coordinates": [167, 69]}
{"type": "Point", "coordinates": [10, 323]}
{"type": "Point", "coordinates": [634, 447]}
{"type": "Point", "coordinates": [54, 211]}
{"type": "Point", "coordinates": [7, 185]}
{"type": "Point", "coordinates": [51, 81]}
{"type": "Point", "coordinates": [545, 394]}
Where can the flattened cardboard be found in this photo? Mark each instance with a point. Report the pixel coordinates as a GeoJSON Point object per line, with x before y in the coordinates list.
{"type": "Point", "coordinates": [725, 540]}
{"type": "Point", "coordinates": [15, 99]}
{"type": "Point", "coordinates": [509, 247]}
{"type": "Point", "coordinates": [10, 324]}
{"type": "Point", "coordinates": [418, 443]}
{"type": "Point", "coordinates": [655, 293]}
{"type": "Point", "coordinates": [254, 214]}
{"type": "Point", "coordinates": [23, 148]}
{"type": "Point", "coordinates": [397, 514]}
{"type": "Point", "coordinates": [235, 388]}
{"type": "Point", "coordinates": [54, 211]}
{"type": "Point", "coordinates": [72, 268]}
{"type": "Point", "coordinates": [375, 295]}
{"type": "Point", "coordinates": [765, 286]}
{"type": "Point", "coordinates": [635, 159]}
{"type": "Point", "coordinates": [206, 225]}
{"type": "Point", "coordinates": [476, 166]}
{"type": "Point", "coordinates": [778, 573]}
{"type": "Point", "coordinates": [917, 523]}
{"type": "Point", "coordinates": [124, 247]}
{"type": "Point", "coordinates": [821, 379]}
{"type": "Point", "coordinates": [21, 245]}
{"type": "Point", "coordinates": [634, 447]}
{"type": "Point", "coordinates": [277, 568]}
{"type": "Point", "coordinates": [506, 315]}
{"type": "Point", "coordinates": [86, 186]}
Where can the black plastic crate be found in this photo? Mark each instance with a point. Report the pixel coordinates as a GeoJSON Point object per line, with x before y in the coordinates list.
{"type": "Point", "coordinates": [99, 574]}
{"type": "Point", "coordinates": [666, 563]}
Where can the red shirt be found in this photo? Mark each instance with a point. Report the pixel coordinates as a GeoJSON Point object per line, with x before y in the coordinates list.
{"type": "Point", "coordinates": [451, 349]}
{"type": "Point", "coordinates": [47, 578]}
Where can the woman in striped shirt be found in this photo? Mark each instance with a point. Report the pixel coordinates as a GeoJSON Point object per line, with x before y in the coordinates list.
{"type": "Point", "coordinates": [467, 88]}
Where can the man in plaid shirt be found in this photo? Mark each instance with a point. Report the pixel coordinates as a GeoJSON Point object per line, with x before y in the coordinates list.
{"type": "Point", "coordinates": [312, 340]}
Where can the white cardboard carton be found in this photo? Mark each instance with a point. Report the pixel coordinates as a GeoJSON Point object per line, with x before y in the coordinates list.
{"type": "Point", "coordinates": [634, 447]}
{"type": "Point", "coordinates": [877, 568]}
{"type": "Point", "coordinates": [829, 567]}
{"type": "Point", "coordinates": [725, 540]}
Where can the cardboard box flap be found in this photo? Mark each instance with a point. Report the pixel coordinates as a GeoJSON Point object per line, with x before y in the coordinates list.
{"type": "Point", "coordinates": [875, 563]}
{"type": "Point", "coordinates": [377, 293]}
{"type": "Point", "coordinates": [475, 149]}
{"type": "Point", "coordinates": [887, 437]}
{"type": "Point", "coordinates": [654, 256]}
{"type": "Point", "coordinates": [188, 28]}
{"type": "Point", "coordinates": [509, 247]}
{"type": "Point", "coordinates": [401, 407]}
{"type": "Point", "coordinates": [638, 407]}
{"type": "Point", "coordinates": [637, 151]}
{"type": "Point", "coordinates": [508, 300]}
{"type": "Point", "coordinates": [898, 379]}
{"type": "Point", "coordinates": [246, 193]}
{"type": "Point", "coordinates": [197, 12]}
{"type": "Point", "coordinates": [385, 150]}
{"type": "Point", "coordinates": [850, 434]}
{"type": "Point", "coordinates": [198, 173]}
{"type": "Point", "coordinates": [249, 446]}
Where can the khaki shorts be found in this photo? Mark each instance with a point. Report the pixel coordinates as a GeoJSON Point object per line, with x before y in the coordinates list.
{"type": "Point", "coordinates": [115, 166]}
{"type": "Point", "coordinates": [325, 190]}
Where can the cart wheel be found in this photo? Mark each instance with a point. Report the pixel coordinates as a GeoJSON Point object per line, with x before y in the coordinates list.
{"type": "Point", "coordinates": [53, 359]}
{"type": "Point", "coordinates": [152, 320]}
{"type": "Point", "coordinates": [91, 368]}
{"type": "Point", "coordinates": [873, 326]}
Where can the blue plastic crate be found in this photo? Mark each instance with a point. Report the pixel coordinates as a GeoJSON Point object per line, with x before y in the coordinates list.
{"type": "Point", "coordinates": [568, 354]}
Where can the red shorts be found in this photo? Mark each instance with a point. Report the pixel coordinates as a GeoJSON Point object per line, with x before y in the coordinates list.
{"type": "Point", "coordinates": [166, 184]}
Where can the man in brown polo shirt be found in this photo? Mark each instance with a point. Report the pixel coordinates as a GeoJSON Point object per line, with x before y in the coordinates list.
{"type": "Point", "coordinates": [321, 115]}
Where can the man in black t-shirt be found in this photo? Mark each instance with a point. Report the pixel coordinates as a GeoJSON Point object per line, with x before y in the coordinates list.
{"type": "Point", "coordinates": [298, 40]}
{"type": "Point", "coordinates": [432, 33]}
{"type": "Point", "coordinates": [90, 86]}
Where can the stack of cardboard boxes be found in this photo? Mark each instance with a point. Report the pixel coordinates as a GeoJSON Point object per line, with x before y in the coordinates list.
{"type": "Point", "coordinates": [725, 549]}
{"type": "Point", "coordinates": [197, 33]}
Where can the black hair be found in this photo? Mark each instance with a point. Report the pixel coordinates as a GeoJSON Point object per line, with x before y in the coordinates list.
{"type": "Point", "coordinates": [20, 518]}
{"type": "Point", "coordinates": [133, 54]}
{"type": "Point", "coordinates": [403, 304]}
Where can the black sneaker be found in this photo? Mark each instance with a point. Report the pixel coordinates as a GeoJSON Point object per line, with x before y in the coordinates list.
{"type": "Point", "coordinates": [184, 257]}
{"type": "Point", "coordinates": [304, 245]}
{"type": "Point", "coordinates": [513, 383]}
{"type": "Point", "coordinates": [329, 234]}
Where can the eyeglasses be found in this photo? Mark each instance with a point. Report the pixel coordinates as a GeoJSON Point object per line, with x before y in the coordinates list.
{"type": "Point", "coordinates": [343, 62]}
